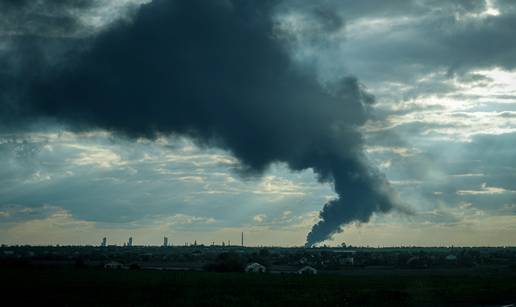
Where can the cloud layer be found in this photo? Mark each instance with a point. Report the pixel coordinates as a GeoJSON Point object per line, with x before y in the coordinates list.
{"type": "Point", "coordinates": [265, 83]}
{"type": "Point", "coordinates": [218, 73]}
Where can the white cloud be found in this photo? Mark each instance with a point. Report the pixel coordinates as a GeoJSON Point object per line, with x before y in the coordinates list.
{"type": "Point", "coordinates": [279, 186]}
{"type": "Point", "coordinates": [401, 151]}
{"type": "Point", "coordinates": [95, 156]}
{"type": "Point", "coordinates": [260, 218]}
{"type": "Point", "coordinates": [485, 190]}
{"type": "Point", "coordinates": [192, 179]}
{"type": "Point", "coordinates": [184, 219]}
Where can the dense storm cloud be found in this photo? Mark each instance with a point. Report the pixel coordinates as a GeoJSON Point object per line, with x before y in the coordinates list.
{"type": "Point", "coordinates": [217, 72]}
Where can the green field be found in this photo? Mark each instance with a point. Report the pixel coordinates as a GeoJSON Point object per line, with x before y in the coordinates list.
{"type": "Point", "coordinates": [96, 287]}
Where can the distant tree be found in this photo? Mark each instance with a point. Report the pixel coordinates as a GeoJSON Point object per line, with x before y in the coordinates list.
{"type": "Point", "coordinates": [79, 263]}
{"type": "Point", "coordinates": [227, 262]}
{"type": "Point", "coordinates": [263, 257]}
{"type": "Point", "coordinates": [265, 253]}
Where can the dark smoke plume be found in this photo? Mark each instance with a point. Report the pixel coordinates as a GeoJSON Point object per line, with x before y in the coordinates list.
{"type": "Point", "coordinates": [217, 72]}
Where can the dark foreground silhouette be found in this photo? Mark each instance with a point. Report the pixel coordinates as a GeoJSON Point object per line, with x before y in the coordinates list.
{"type": "Point", "coordinates": [99, 287]}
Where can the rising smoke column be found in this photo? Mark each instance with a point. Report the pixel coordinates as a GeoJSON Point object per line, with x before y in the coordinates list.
{"type": "Point", "coordinates": [217, 72]}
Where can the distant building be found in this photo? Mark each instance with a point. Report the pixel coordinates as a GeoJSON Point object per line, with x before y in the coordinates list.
{"type": "Point", "coordinates": [307, 270]}
{"type": "Point", "coordinates": [114, 265]}
{"type": "Point", "coordinates": [451, 257]}
{"type": "Point", "coordinates": [104, 242]}
{"type": "Point", "coordinates": [255, 267]}
{"type": "Point", "coordinates": [130, 242]}
{"type": "Point", "coordinates": [165, 241]}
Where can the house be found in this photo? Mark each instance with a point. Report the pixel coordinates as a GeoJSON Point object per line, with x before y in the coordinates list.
{"type": "Point", "coordinates": [113, 265]}
{"type": "Point", "coordinates": [307, 270]}
{"type": "Point", "coordinates": [451, 257]}
{"type": "Point", "coordinates": [255, 267]}
{"type": "Point", "coordinates": [346, 261]}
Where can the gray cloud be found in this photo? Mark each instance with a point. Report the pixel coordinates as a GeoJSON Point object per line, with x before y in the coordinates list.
{"type": "Point", "coordinates": [391, 46]}
{"type": "Point", "coordinates": [61, 18]}
{"type": "Point", "coordinates": [444, 174]}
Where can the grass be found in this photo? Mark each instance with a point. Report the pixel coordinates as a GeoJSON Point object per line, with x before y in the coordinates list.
{"type": "Point", "coordinates": [95, 287]}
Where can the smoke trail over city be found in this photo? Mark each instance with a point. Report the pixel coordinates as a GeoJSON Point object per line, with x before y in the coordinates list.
{"type": "Point", "coordinates": [217, 72]}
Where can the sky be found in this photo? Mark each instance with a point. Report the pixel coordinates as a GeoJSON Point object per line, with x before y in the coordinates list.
{"type": "Point", "coordinates": [374, 123]}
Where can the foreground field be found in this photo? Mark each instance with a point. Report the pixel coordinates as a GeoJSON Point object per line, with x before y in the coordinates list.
{"type": "Point", "coordinates": [95, 287]}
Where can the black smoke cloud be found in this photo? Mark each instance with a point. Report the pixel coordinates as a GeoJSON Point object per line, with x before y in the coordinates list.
{"type": "Point", "coordinates": [217, 72]}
